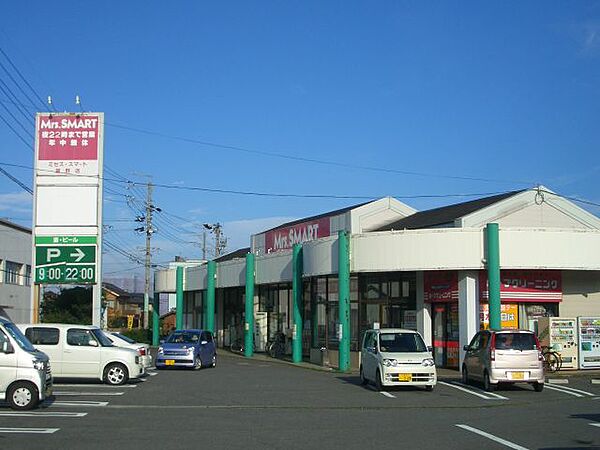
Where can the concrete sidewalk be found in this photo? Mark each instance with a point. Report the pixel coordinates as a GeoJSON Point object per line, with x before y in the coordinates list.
{"type": "Point", "coordinates": [443, 373]}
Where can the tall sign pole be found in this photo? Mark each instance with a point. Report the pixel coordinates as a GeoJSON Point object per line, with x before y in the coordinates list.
{"type": "Point", "coordinates": [67, 214]}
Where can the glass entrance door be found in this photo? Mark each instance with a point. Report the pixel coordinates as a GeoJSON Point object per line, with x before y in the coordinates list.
{"type": "Point", "coordinates": [445, 334]}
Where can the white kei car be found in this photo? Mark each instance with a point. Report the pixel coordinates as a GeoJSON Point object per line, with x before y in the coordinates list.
{"type": "Point", "coordinates": [396, 357]}
{"type": "Point", "coordinates": [121, 340]}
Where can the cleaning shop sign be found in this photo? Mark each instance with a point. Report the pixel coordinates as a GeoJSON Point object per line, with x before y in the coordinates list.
{"type": "Point", "coordinates": [285, 238]}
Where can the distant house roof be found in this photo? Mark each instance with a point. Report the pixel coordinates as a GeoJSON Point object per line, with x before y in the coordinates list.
{"type": "Point", "coordinates": [15, 226]}
{"type": "Point", "coordinates": [446, 215]}
{"type": "Point", "coordinates": [239, 253]}
{"type": "Point", "coordinates": [115, 289]}
{"type": "Point", "coordinates": [337, 212]}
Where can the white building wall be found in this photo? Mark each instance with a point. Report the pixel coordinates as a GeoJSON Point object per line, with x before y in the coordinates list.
{"type": "Point", "coordinates": [423, 312]}
{"type": "Point", "coordinates": [195, 278]}
{"type": "Point", "coordinates": [273, 268]}
{"type": "Point", "coordinates": [321, 257]}
{"type": "Point", "coordinates": [165, 280]}
{"type": "Point", "coordinates": [15, 298]}
{"type": "Point", "coordinates": [231, 273]}
{"type": "Point", "coordinates": [581, 294]}
{"type": "Point", "coordinates": [468, 309]}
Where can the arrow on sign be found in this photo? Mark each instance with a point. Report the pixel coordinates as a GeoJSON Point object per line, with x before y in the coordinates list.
{"type": "Point", "coordinates": [79, 254]}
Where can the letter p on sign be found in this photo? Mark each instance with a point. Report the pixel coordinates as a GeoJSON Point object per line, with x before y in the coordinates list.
{"type": "Point", "coordinates": [52, 253]}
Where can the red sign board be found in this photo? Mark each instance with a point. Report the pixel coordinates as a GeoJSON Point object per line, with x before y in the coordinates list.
{"type": "Point", "coordinates": [68, 137]}
{"type": "Point", "coordinates": [441, 286]}
{"type": "Point", "coordinates": [535, 286]}
{"type": "Point", "coordinates": [285, 238]}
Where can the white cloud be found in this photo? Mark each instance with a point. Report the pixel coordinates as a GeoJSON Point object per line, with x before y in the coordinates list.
{"type": "Point", "coordinates": [20, 202]}
{"type": "Point", "coordinates": [238, 232]}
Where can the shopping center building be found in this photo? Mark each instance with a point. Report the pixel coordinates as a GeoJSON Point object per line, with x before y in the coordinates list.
{"type": "Point", "coordinates": [422, 270]}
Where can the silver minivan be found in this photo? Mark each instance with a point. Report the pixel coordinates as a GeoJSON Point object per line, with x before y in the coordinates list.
{"type": "Point", "coordinates": [25, 376]}
{"type": "Point", "coordinates": [504, 356]}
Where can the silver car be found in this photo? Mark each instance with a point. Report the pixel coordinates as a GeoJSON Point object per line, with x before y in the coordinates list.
{"type": "Point", "coordinates": [504, 356]}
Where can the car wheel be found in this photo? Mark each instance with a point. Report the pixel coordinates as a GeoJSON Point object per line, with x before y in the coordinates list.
{"type": "Point", "coordinates": [378, 384]}
{"type": "Point", "coordinates": [539, 387]}
{"type": "Point", "coordinates": [22, 396]}
{"type": "Point", "coordinates": [363, 380]}
{"type": "Point", "coordinates": [465, 375]}
{"type": "Point", "coordinates": [429, 387]}
{"type": "Point", "coordinates": [116, 374]}
{"type": "Point", "coordinates": [214, 361]}
{"type": "Point", "coordinates": [487, 385]}
{"type": "Point", "coordinates": [197, 363]}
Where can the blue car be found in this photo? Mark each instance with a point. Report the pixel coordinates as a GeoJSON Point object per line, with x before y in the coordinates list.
{"type": "Point", "coordinates": [187, 348]}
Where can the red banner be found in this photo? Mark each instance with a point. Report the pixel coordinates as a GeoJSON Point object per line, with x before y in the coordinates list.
{"type": "Point", "coordinates": [441, 286]}
{"type": "Point", "coordinates": [285, 238]}
{"type": "Point", "coordinates": [534, 286]}
{"type": "Point", "coordinates": [68, 137]}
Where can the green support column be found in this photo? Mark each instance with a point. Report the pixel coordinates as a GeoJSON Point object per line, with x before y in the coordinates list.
{"type": "Point", "coordinates": [492, 238]}
{"type": "Point", "coordinates": [298, 303]}
{"type": "Point", "coordinates": [344, 289]}
{"type": "Point", "coordinates": [249, 322]}
{"type": "Point", "coordinates": [156, 319]}
{"type": "Point", "coordinates": [179, 301]}
{"type": "Point", "coordinates": [209, 322]}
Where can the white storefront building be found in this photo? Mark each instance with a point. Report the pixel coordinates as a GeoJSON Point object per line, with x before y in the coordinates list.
{"type": "Point", "coordinates": [423, 270]}
{"type": "Point", "coordinates": [15, 272]}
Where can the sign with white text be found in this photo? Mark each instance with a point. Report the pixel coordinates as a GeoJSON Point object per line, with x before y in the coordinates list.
{"type": "Point", "coordinates": [284, 238]}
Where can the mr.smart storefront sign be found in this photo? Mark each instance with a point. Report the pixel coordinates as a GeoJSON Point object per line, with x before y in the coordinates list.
{"type": "Point", "coordinates": [68, 145]}
{"type": "Point", "coordinates": [284, 238]}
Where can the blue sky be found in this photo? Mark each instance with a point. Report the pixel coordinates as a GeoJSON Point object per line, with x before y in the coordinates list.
{"type": "Point", "coordinates": [497, 90]}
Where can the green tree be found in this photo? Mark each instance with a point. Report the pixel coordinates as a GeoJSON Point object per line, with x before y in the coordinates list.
{"type": "Point", "coordinates": [69, 305]}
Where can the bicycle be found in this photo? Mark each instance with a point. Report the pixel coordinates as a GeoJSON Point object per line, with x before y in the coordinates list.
{"type": "Point", "coordinates": [276, 346]}
{"type": "Point", "coordinates": [237, 346]}
{"type": "Point", "coordinates": [552, 360]}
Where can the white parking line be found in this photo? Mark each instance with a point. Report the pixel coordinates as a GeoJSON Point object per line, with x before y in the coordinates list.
{"type": "Point", "coordinates": [60, 385]}
{"type": "Point", "coordinates": [387, 394]}
{"type": "Point", "coordinates": [78, 403]}
{"type": "Point", "coordinates": [579, 391]}
{"type": "Point", "coordinates": [594, 381]}
{"type": "Point", "coordinates": [473, 391]}
{"type": "Point", "coordinates": [29, 430]}
{"type": "Point", "coordinates": [558, 381]}
{"type": "Point", "coordinates": [151, 374]}
{"type": "Point", "coordinates": [65, 414]}
{"type": "Point", "coordinates": [491, 437]}
{"type": "Point", "coordinates": [88, 393]}
{"type": "Point", "coordinates": [554, 388]}
{"type": "Point", "coordinates": [595, 424]}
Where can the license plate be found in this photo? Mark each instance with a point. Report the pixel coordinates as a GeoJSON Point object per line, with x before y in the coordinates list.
{"type": "Point", "coordinates": [405, 377]}
{"type": "Point", "coordinates": [169, 362]}
{"type": "Point", "coordinates": [517, 375]}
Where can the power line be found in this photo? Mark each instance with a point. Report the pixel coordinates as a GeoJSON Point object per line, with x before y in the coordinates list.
{"type": "Point", "coordinates": [312, 160]}
{"type": "Point", "coordinates": [23, 78]}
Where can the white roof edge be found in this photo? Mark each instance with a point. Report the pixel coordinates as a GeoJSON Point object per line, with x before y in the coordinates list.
{"type": "Point", "coordinates": [521, 199]}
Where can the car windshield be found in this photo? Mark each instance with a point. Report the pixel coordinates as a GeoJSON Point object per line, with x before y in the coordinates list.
{"type": "Point", "coordinates": [101, 337]}
{"type": "Point", "coordinates": [21, 340]}
{"type": "Point", "coordinates": [183, 337]}
{"type": "Point", "coordinates": [124, 338]}
{"type": "Point", "coordinates": [515, 341]}
{"type": "Point", "coordinates": [401, 343]}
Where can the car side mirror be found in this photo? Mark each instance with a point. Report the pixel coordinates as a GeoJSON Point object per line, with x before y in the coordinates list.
{"type": "Point", "coordinates": [203, 342]}
{"type": "Point", "coordinates": [162, 341]}
{"type": "Point", "coordinates": [372, 350]}
{"type": "Point", "coordinates": [429, 348]}
{"type": "Point", "coordinates": [7, 348]}
{"type": "Point", "coordinates": [466, 348]}
{"type": "Point", "coordinates": [92, 343]}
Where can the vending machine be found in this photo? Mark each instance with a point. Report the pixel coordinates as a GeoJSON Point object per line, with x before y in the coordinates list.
{"type": "Point", "coordinates": [560, 334]}
{"type": "Point", "coordinates": [589, 342]}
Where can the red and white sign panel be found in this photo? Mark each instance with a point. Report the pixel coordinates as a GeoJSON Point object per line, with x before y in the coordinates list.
{"type": "Point", "coordinates": [68, 144]}
{"type": "Point", "coordinates": [534, 286]}
{"type": "Point", "coordinates": [285, 238]}
{"type": "Point", "coordinates": [441, 286]}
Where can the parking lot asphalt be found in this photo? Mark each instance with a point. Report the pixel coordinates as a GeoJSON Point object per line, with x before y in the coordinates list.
{"type": "Point", "coordinates": [258, 403]}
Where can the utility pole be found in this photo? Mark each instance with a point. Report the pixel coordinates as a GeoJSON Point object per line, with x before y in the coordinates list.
{"type": "Point", "coordinates": [148, 262]}
{"type": "Point", "coordinates": [204, 245]}
{"type": "Point", "coordinates": [220, 243]}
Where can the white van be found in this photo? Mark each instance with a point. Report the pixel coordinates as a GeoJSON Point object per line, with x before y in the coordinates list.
{"type": "Point", "coordinates": [396, 357]}
{"type": "Point", "coordinates": [25, 377]}
{"type": "Point", "coordinates": [83, 351]}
